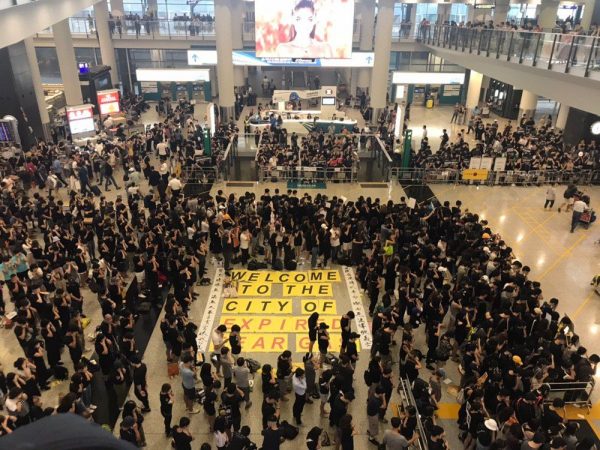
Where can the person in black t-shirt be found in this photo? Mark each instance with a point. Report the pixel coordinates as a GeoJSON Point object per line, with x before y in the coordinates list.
{"type": "Point", "coordinates": [232, 397]}
{"type": "Point", "coordinates": [270, 407]}
{"type": "Point", "coordinates": [182, 437]}
{"type": "Point", "coordinates": [166, 406]}
{"type": "Point", "coordinates": [127, 431]}
{"type": "Point", "coordinates": [272, 435]}
{"type": "Point", "coordinates": [210, 397]}
{"type": "Point", "coordinates": [240, 440]}
{"type": "Point", "coordinates": [139, 382]}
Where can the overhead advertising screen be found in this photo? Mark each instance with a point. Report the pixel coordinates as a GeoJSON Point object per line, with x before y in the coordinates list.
{"type": "Point", "coordinates": [304, 28]}
{"type": "Point", "coordinates": [108, 101]}
{"type": "Point", "coordinates": [81, 119]}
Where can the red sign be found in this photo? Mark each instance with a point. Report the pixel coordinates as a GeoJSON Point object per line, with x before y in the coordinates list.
{"type": "Point", "coordinates": [108, 97]}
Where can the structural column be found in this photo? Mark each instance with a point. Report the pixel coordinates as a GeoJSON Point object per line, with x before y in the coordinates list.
{"type": "Point", "coordinates": [501, 11]}
{"type": "Point", "coordinates": [237, 38]}
{"type": "Point", "coordinates": [36, 79]}
{"type": "Point", "coordinates": [474, 90]}
{"type": "Point", "coordinates": [225, 66]}
{"type": "Point", "coordinates": [67, 62]}
{"type": "Point", "coordinates": [588, 14]}
{"type": "Point", "coordinates": [367, 26]}
{"type": "Point", "coordinates": [528, 103]}
{"type": "Point", "coordinates": [116, 6]}
{"type": "Point", "coordinates": [107, 50]}
{"type": "Point", "coordinates": [383, 46]}
{"type": "Point", "coordinates": [443, 13]}
{"type": "Point", "coordinates": [548, 11]}
{"type": "Point", "coordinates": [563, 115]}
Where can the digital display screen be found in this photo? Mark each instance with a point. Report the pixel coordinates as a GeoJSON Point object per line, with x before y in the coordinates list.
{"type": "Point", "coordinates": [81, 120]}
{"type": "Point", "coordinates": [304, 28]}
{"type": "Point", "coordinates": [328, 101]}
{"type": "Point", "coordinates": [6, 132]}
{"type": "Point", "coordinates": [108, 101]}
{"type": "Point", "coordinates": [103, 82]}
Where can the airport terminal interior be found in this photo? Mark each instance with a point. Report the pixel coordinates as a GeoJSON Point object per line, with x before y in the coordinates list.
{"type": "Point", "coordinates": [299, 224]}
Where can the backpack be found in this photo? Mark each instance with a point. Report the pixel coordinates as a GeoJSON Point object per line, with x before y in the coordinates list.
{"type": "Point", "coordinates": [367, 377]}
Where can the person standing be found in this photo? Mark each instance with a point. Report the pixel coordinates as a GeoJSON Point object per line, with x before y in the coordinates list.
{"type": "Point", "coordinates": [374, 404]}
{"type": "Point", "coordinates": [272, 435]}
{"type": "Point", "coordinates": [166, 406]}
{"type": "Point", "coordinates": [241, 375]}
{"type": "Point", "coordinates": [299, 384]}
{"type": "Point", "coordinates": [187, 371]}
{"type": "Point", "coordinates": [550, 197]}
{"type": "Point", "coordinates": [346, 325]}
{"type": "Point", "coordinates": [347, 432]}
{"type": "Point", "coordinates": [139, 382]}
{"type": "Point", "coordinates": [579, 207]}
{"type": "Point", "coordinates": [393, 439]}
{"type": "Point", "coordinates": [182, 436]}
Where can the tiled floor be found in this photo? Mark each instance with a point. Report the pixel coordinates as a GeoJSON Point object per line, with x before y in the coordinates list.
{"type": "Point", "coordinates": [563, 262]}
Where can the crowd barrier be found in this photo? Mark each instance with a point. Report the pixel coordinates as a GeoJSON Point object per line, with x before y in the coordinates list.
{"type": "Point", "coordinates": [573, 393]}
{"type": "Point", "coordinates": [308, 174]}
{"type": "Point", "coordinates": [407, 399]}
{"type": "Point", "coordinates": [494, 178]}
{"type": "Point", "coordinates": [202, 175]}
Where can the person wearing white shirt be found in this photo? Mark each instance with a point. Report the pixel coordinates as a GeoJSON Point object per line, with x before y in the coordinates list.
{"type": "Point", "coordinates": [299, 385]}
{"type": "Point", "coordinates": [162, 149]}
{"type": "Point", "coordinates": [218, 338]}
{"type": "Point", "coordinates": [175, 186]}
{"type": "Point", "coordinates": [579, 208]}
{"type": "Point", "coordinates": [245, 239]}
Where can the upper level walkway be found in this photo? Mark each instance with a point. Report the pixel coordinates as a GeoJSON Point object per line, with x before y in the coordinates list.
{"type": "Point", "coordinates": [564, 67]}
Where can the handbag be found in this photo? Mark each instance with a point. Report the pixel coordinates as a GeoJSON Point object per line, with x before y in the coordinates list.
{"type": "Point", "coordinates": [172, 369]}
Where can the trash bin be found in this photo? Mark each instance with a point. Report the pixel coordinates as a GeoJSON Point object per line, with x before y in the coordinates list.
{"type": "Point", "coordinates": [429, 103]}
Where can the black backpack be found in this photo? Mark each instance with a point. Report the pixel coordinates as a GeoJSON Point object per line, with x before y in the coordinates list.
{"type": "Point", "coordinates": [367, 377]}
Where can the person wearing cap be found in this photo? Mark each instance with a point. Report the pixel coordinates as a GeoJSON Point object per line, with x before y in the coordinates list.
{"type": "Point", "coordinates": [394, 440]}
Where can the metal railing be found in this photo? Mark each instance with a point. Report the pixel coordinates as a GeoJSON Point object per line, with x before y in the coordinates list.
{"type": "Point", "coordinates": [573, 393]}
{"type": "Point", "coordinates": [143, 28]}
{"type": "Point", "coordinates": [201, 175]}
{"type": "Point", "coordinates": [577, 54]}
{"type": "Point", "coordinates": [307, 174]}
{"type": "Point", "coordinates": [147, 28]}
{"type": "Point", "coordinates": [494, 178]}
{"type": "Point", "coordinates": [406, 395]}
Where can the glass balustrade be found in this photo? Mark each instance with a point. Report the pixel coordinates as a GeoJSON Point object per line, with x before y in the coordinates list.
{"type": "Point", "coordinates": [576, 54]}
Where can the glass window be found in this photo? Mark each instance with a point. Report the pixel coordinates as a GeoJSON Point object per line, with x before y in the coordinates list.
{"type": "Point", "coordinates": [426, 11]}
{"type": "Point", "coordinates": [48, 64]}
{"type": "Point", "coordinates": [458, 12]}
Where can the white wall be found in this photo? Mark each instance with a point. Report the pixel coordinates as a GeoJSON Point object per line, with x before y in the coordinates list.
{"type": "Point", "coordinates": [20, 22]}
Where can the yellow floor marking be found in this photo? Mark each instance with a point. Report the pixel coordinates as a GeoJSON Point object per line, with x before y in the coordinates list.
{"type": "Point", "coordinates": [561, 257]}
{"type": "Point", "coordinates": [585, 302]}
{"type": "Point", "coordinates": [448, 410]}
{"type": "Point", "coordinates": [533, 228]}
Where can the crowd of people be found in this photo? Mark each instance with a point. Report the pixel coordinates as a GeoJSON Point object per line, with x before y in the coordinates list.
{"type": "Point", "coordinates": [526, 145]}
{"type": "Point", "coordinates": [316, 149]}
{"type": "Point", "coordinates": [437, 270]}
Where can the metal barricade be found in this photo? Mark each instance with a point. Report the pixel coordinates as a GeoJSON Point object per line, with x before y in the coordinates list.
{"type": "Point", "coordinates": [573, 393]}
{"type": "Point", "coordinates": [307, 174]}
{"type": "Point", "coordinates": [407, 398]}
{"type": "Point", "coordinates": [204, 175]}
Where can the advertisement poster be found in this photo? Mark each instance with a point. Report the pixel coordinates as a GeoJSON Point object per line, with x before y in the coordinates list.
{"type": "Point", "coordinates": [304, 28]}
